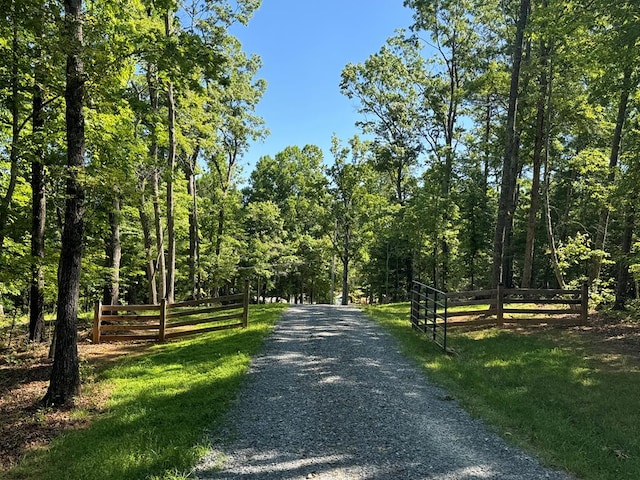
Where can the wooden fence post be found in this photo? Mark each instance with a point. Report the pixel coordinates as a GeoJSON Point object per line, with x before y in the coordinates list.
{"type": "Point", "coordinates": [163, 319]}
{"type": "Point", "coordinates": [97, 319]}
{"type": "Point", "coordinates": [584, 310]}
{"type": "Point", "coordinates": [245, 304]}
{"type": "Point", "coordinates": [499, 304]}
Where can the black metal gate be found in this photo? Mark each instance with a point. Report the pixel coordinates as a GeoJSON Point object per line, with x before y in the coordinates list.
{"type": "Point", "coordinates": [429, 312]}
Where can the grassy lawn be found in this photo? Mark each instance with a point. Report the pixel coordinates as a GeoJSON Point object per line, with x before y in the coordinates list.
{"type": "Point", "coordinates": [558, 393]}
{"type": "Point", "coordinates": [160, 409]}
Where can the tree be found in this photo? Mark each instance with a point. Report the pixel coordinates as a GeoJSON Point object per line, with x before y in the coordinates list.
{"type": "Point", "coordinates": [348, 191]}
{"type": "Point", "coordinates": [65, 374]}
{"type": "Point", "coordinates": [506, 206]}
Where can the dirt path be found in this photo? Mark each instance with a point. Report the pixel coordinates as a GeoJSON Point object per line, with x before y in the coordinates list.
{"type": "Point", "coordinates": [330, 397]}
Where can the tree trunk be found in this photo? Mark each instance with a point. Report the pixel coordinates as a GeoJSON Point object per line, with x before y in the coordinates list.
{"type": "Point", "coordinates": [5, 201]}
{"type": "Point", "coordinates": [345, 267]}
{"type": "Point", "coordinates": [194, 242]}
{"type": "Point", "coordinates": [509, 167]}
{"type": "Point", "coordinates": [622, 281]}
{"type": "Point", "coordinates": [603, 222]}
{"type": "Point", "coordinates": [155, 186]}
{"type": "Point", "coordinates": [537, 163]}
{"type": "Point", "coordinates": [146, 235]}
{"type": "Point", "coordinates": [65, 374]}
{"type": "Point", "coordinates": [38, 217]}
{"type": "Point", "coordinates": [113, 255]}
{"type": "Point", "coordinates": [171, 164]}
{"type": "Point", "coordinates": [157, 217]}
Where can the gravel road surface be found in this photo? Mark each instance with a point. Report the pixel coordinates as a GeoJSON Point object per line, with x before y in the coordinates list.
{"type": "Point", "coordinates": [330, 397]}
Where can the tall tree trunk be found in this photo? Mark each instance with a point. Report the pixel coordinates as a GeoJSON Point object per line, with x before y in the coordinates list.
{"type": "Point", "coordinates": [38, 217]}
{"type": "Point", "coordinates": [113, 255]}
{"type": "Point", "coordinates": [553, 251]}
{"type": "Point", "coordinates": [157, 217]}
{"type": "Point", "coordinates": [5, 201]}
{"type": "Point", "coordinates": [603, 221]}
{"type": "Point", "coordinates": [171, 164]}
{"type": "Point", "coordinates": [532, 219]}
{"type": "Point", "coordinates": [65, 374]}
{"type": "Point", "coordinates": [345, 265]}
{"type": "Point", "coordinates": [622, 281]}
{"type": "Point", "coordinates": [506, 206]}
{"type": "Point", "coordinates": [148, 243]}
{"type": "Point", "coordinates": [160, 268]}
{"type": "Point", "coordinates": [194, 241]}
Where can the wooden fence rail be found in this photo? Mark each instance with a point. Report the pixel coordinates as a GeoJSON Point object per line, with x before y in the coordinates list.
{"type": "Point", "coordinates": [170, 320]}
{"type": "Point", "coordinates": [508, 305]}
{"type": "Point", "coordinates": [433, 311]}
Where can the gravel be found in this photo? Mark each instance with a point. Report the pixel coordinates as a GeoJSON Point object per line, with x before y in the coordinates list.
{"type": "Point", "coordinates": [330, 397]}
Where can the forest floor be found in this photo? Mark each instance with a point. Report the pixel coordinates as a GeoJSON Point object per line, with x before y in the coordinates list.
{"type": "Point", "coordinates": [25, 370]}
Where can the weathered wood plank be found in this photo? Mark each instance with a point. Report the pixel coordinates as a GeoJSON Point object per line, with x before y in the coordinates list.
{"type": "Point", "coordinates": [539, 292]}
{"type": "Point", "coordinates": [542, 311]}
{"type": "Point", "coordinates": [129, 318]}
{"type": "Point", "coordinates": [120, 328]}
{"type": "Point", "coordinates": [198, 321]}
{"type": "Point", "coordinates": [473, 313]}
{"type": "Point", "coordinates": [183, 333]}
{"type": "Point", "coordinates": [122, 338]}
{"type": "Point", "coordinates": [237, 297]}
{"type": "Point", "coordinates": [130, 308]}
{"type": "Point", "coordinates": [196, 311]}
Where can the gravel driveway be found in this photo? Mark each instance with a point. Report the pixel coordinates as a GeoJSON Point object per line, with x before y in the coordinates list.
{"type": "Point", "coordinates": [330, 397]}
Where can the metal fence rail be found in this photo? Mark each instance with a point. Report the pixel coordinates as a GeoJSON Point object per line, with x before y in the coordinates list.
{"type": "Point", "coordinates": [429, 312]}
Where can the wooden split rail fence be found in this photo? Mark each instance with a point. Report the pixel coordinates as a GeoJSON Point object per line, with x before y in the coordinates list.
{"type": "Point", "coordinates": [433, 311]}
{"type": "Point", "coordinates": [169, 320]}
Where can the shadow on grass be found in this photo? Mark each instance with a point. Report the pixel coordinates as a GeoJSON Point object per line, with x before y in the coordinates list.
{"type": "Point", "coordinates": [162, 407]}
{"type": "Point", "coordinates": [549, 390]}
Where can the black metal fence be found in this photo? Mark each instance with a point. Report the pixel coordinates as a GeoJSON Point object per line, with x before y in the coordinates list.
{"type": "Point", "coordinates": [429, 312]}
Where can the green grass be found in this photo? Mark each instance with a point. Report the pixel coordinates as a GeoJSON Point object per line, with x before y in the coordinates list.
{"type": "Point", "coordinates": [161, 407]}
{"type": "Point", "coordinates": [557, 393]}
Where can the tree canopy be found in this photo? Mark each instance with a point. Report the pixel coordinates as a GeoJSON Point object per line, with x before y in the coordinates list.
{"type": "Point", "coordinates": [498, 143]}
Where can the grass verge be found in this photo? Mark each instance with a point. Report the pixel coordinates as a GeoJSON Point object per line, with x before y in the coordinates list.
{"type": "Point", "coordinates": [554, 392]}
{"type": "Point", "coordinates": [161, 407]}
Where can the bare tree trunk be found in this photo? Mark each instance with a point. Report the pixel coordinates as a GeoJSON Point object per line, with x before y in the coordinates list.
{"type": "Point", "coordinates": [622, 281]}
{"type": "Point", "coordinates": [38, 218]}
{"type": "Point", "coordinates": [171, 164]}
{"type": "Point", "coordinates": [510, 165]}
{"type": "Point", "coordinates": [113, 255]}
{"type": "Point", "coordinates": [157, 216]}
{"type": "Point", "coordinates": [65, 374]}
{"type": "Point", "coordinates": [345, 266]}
{"type": "Point", "coordinates": [155, 186]}
{"type": "Point", "coordinates": [537, 162]}
{"type": "Point", "coordinates": [146, 235]}
{"type": "Point", "coordinates": [194, 241]}
{"type": "Point", "coordinates": [603, 222]}
{"type": "Point", "coordinates": [553, 251]}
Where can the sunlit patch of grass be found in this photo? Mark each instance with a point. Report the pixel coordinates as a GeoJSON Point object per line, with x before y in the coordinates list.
{"type": "Point", "coordinates": [551, 391]}
{"type": "Point", "coordinates": [161, 408]}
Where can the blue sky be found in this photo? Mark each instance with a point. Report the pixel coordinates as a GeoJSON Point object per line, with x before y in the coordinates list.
{"type": "Point", "coordinates": [304, 45]}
